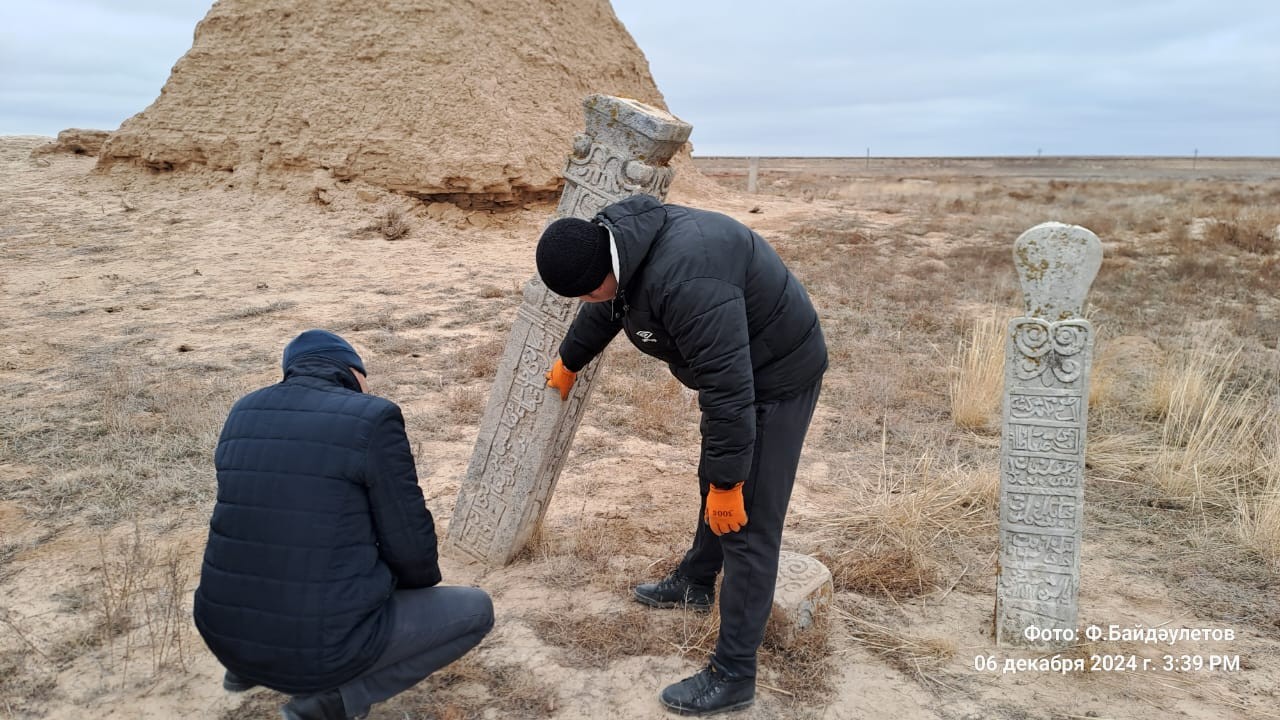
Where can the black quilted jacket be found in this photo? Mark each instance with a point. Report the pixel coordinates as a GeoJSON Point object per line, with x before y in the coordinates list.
{"type": "Point", "coordinates": [710, 297]}
{"type": "Point", "coordinates": [319, 517]}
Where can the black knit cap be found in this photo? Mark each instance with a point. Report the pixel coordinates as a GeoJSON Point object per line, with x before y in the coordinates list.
{"type": "Point", "coordinates": [573, 256]}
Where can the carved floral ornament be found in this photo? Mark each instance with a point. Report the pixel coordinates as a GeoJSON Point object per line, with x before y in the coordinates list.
{"type": "Point", "coordinates": [1044, 346]}
{"type": "Point", "coordinates": [597, 165]}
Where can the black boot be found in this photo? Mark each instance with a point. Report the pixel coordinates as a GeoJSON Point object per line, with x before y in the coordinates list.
{"type": "Point", "coordinates": [676, 590]}
{"type": "Point", "coordinates": [232, 682]}
{"type": "Point", "coordinates": [710, 692]}
{"type": "Point", "coordinates": [321, 706]}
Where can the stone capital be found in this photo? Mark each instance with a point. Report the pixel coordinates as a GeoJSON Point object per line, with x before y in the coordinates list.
{"type": "Point", "coordinates": [1056, 264]}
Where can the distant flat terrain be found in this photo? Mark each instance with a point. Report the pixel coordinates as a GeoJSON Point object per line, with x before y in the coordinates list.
{"type": "Point", "coordinates": [1245, 169]}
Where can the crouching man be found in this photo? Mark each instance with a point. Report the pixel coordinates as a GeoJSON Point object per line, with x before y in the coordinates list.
{"type": "Point", "coordinates": [320, 577]}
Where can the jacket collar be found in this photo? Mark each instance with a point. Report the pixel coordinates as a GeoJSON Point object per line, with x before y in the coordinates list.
{"type": "Point", "coordinates": [322, 368]}
{"type": "Point", "coordinates": [633, 224]}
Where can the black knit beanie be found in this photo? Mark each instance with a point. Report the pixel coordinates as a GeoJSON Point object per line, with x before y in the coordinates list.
{"type": "Point", "coordinates": [573, 256]}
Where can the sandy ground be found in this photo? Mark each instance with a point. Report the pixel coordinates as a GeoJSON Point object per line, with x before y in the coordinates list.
{"type": "Point", "coordinates": [162, 288]}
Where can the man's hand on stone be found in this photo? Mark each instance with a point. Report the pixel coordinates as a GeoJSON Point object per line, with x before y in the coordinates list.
{"type": "Point", "coordinates": [561, 378]}
{"type": "Point", "coordinates": [725, 511]}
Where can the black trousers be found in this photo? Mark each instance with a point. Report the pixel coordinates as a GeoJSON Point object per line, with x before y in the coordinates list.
{"type": "Point", "coordinates": [750, 556]}
{"type": "Point", "coordinates": [431, 627]}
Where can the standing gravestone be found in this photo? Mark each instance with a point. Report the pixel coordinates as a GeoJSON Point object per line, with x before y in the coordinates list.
{"type": "Point", "coordinates": [1042, 451]}
{"type": "Point", "coordinates": [526, 429]}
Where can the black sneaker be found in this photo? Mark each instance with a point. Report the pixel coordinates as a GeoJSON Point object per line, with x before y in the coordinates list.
{"type": "Point", "coordinates": [710, 692]}
{"type": "Point", "coordinates": [321, 706]}
{"type": "Point", "coordinates": [232, 682]}
{"type": "Point", "coordinates": [676, 590]}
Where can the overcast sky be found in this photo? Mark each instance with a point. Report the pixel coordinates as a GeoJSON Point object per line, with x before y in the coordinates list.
{"type": "Point", "coordinates": [801, 77]}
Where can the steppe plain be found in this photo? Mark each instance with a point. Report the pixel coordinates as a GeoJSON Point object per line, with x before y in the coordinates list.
{"type": "Point", "coordinates": [137, 307]}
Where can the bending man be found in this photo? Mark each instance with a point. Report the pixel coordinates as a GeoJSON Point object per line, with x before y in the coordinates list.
{"type": "Point", "coordinates": [708, 296]}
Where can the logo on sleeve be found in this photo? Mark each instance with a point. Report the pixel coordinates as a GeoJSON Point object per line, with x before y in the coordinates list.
{"type": "Point", "coordinates": [646, 336]}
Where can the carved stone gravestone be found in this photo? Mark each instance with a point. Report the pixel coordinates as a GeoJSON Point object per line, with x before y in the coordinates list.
{"type": "Point", "coordinates": [801, 594]}
{"type": "Point", "coordinates": [1047, 360]}
{"type": "Point", "coordinates": [526, 429]}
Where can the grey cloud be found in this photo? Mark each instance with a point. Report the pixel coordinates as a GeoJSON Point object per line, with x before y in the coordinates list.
{"type": "Point", "coordinates": [171, 9]}
{"type": "Point", "coordinates": [87, 64]}
{"type": "Point", "coordinates": [802, 77]}
{"type": "Point", "coordinates": [997, 76]}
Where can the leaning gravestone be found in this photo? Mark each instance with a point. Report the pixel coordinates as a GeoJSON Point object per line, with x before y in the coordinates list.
{"type": "Point", "coordinates": [1042, 451]}
{"type": "Point", "coordinates": [526, 429]}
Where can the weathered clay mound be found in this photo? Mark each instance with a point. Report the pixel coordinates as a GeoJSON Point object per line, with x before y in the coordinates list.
{"type": "Point", "coordinates": [469, 102]}
{"type": "Point", "coordinates": [76, 141]}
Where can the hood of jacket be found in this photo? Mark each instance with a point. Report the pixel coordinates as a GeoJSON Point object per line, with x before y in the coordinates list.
{"type": "Point", "coordinates": [324, 369]}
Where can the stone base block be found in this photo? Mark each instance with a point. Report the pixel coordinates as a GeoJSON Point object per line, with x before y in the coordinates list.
{"type": "Point", "coordinates": [803, 592]}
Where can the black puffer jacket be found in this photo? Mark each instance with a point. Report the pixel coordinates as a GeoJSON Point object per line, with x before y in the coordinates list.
{"type": "Point", "coordinates": [319, 517]}
{"type": "Point", "coordinates": [710, 297]}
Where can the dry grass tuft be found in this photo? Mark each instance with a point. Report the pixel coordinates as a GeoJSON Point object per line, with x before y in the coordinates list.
{"type": "Point", "coordinates": [392, 224]}
{"type": "Point", "coordinates": [1212, 438]}
{"type": "Point", "coordinates": [133, 445]}
{"type": "Point", "coordinates": [468, 687]}
{"type": "Point", "coordinates": [1102, 384]}
{"type": "Point", "coordinates": [24, 685]}
{"type": "Point", "coordinates": [596, 551]}
{"type": "Point", "coordinates": [889, 541]}
{"type": "Point", "coordinates": [799, 670]}
{"type": "Point", "coordinates": [388, 344]}
{"type": "Point", "coordinates": [977, 376]}
{"type": "Point", "coordinates": [465, 404]}
{"type": "Point", "coordinates": [692, 634]}
{"type": "Point", "coordinates": [140, 603]}
{"type": "Point", "coordinates": [479, 361]}
{"type": "Point", "coordinates": [844, 231]}
{"type": "Point", "coordinates": [595, 639]}
{"type": "Point", "coordinates": [1258, 524]}
{"type": "Point", "coordinates": [1187, 384]}
{"type": "Point", "coordinates": [802, 668]}
{"type": "Point", "coordinates": [1251, 229]}
{"type": "Point", "coordinates": [1120, 455]}
{"type": "Point", "coordinates": [662, 410]}
{"type": "Point", "coordinates": [647, 401]}
{"type": "Point", "coordinates": [916, 656]}
{"type": "Point", "coordinates": [257, 311]}
{"type": "Point", "coordinates": [387, 322]}
{"type": "Point", "coordinates": [1258, 514]}
{"type": "Point", "coordinates": [894, 572]}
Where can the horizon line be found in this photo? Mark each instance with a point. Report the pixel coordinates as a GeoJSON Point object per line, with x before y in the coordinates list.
{"type": "Point", "coordinates": [697, 156]}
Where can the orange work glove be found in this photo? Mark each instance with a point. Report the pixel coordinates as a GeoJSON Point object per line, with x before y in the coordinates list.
{"type": "Point", "coordinates": [561, 378]}
{"type": "Point", "coordinates": [725, 512]}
